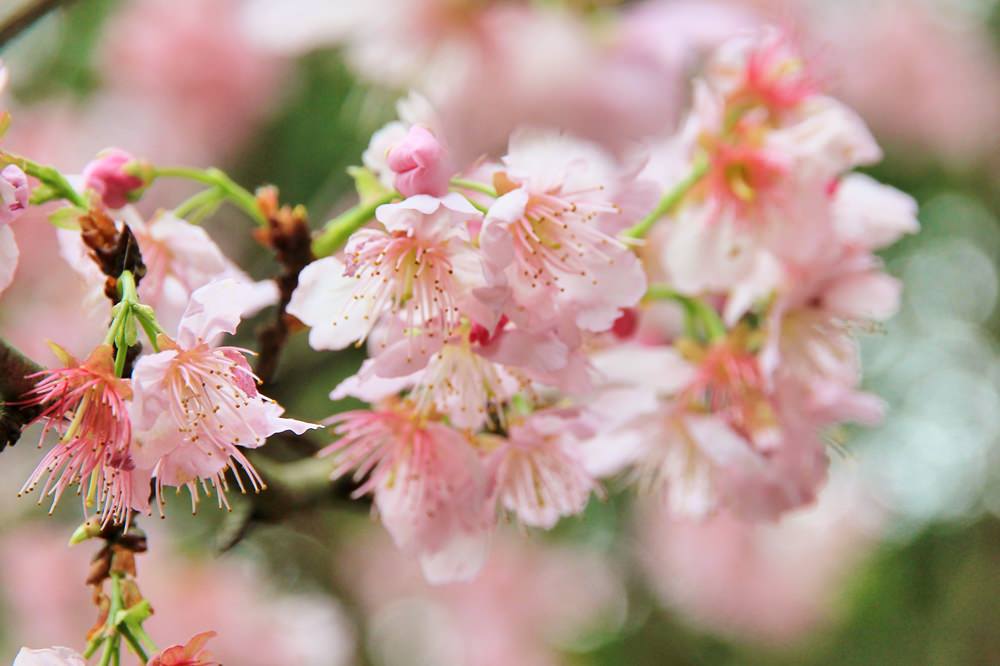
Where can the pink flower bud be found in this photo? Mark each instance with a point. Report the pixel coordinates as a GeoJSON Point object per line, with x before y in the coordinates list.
{"type": "Point", "coordinates": [419, 164]}
{"type": "Point", "coordinates": [14, 193]}
{"type": "Point", "coordinates": [107, 176]}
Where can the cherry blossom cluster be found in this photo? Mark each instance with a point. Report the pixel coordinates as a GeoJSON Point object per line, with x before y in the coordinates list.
{"type": "Point", "coordinates": [683, 315]}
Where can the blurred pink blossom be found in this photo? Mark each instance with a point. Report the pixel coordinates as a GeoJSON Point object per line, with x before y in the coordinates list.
{"type": "Point", "coordinates": [526, 604]}
{"type": "Point", "coordinates": [771, 583]}
{"type": "Point", "coordinates": [50, 603]}
{"type": "Point", "coordinates": [191, 69]}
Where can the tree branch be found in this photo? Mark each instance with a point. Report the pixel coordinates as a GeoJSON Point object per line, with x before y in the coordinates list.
{"type": "Point", "coordinates": [14, 369]}
{"type": "Point", "coordinates": [24, 18]}
{"type": "Point", "coordinates": [287, 234]}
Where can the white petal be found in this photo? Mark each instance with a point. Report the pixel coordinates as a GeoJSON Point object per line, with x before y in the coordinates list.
{"type": "Point", "coordinates": [322, 300]}
{"type": "Point", "coordinates": [8, 256]}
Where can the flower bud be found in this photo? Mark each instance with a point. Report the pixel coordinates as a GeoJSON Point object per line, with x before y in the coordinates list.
{"type": "Point", "coordinates": [107, 176]}
{"type": "Point", "coordinates": [419, 164]}
{"type": "Point", "coordinates": [14, 193]}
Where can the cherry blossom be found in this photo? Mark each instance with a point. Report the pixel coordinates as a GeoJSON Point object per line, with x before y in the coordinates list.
{"type": "Point", "coordinates": [549, 235]}
{"type": "Point", "coordinates": [193, 653]}
{"type": "Point", "coordinates": [428, 483]}
{"type": "Point", "coordinates": [87, 404]}
{"type": "Point", "coordinates": [420, 266]}
{"type": "Point", "coordinates": [14, 193]}
{"type": "Point", "coordinates": [419, 162]}
{"type": "Point", "coordinates": [197, 405]}
{"type": "Point", "coordinates": [540, 475]}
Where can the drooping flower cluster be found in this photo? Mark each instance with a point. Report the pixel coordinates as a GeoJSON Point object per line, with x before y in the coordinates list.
{"type": "Point", "coordinates": [533, 326]}
{"type": "Point", "coordinates": [182, 419]}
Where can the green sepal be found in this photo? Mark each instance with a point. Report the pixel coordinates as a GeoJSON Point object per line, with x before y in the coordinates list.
{"type": "Point", "coordinates": [67, 217]}
{"type": "Point", "coordinates": [367, 184]}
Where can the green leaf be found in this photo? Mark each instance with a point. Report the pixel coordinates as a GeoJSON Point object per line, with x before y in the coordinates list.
{"type": "Point", "coordinates": [367, 184]}
{"type": "Point", "coordinates": [65, 218]}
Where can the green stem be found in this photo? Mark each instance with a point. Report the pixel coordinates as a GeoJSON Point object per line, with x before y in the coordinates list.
{"type": "Point", "coordinates": [152, 329]}
{"type": "Point", "coordinates": [202, 203]}
{"type": "Point", "coordinates": [670, 200]}
{"type": "Point", "coordinates": [696, 311]}
{"type": "Point", "coordinates": [236, 193]}
{"type": "Point", "coordinates": [478, 206]}
{"type": "Point", "coordinates": [93, 646]}
{"type": "Point", "coordinates": [127, 287]}
{"type": "Point", "coordinates": [475, 186]}
{"type": "Point", "coordinates": [112, 649]}
{"type": "Point", "coordinates": [116, 325]}
{"type": "Point", "coordinates": [140, 632]}
{"type": "Point", "coordinates": [121, 351]}
{"type": "Point", "coordinates": [338, 230]}
{"type": "Point", "coordinates": [133, 643]}
{"type": "Point", "coordinates": [48, 175]}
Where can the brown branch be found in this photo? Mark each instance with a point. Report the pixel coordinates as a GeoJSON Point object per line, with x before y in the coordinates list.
{"type": "Point", "coordinates": [24, 18]}
{"type": "Point", "coordinates": [14, 369]}
{"type": "Point", "coordinates": [287, 234]}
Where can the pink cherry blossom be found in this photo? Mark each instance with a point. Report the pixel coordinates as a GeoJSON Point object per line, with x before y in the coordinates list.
{"type": "Point", "coordinates": [767, 583]}
{"type": "Point", "coordinates": [413, 111]}
{"type": "Point", "coordinates": [717, 433]}
{"type": "Point", "coordinates": [870, 215]}
{"type": "Point", "coordinates": [428, 483]}
{"type": "Point", "coordinates": [773, 145]}
{"type": "Point", "coordinates": [540, 474]}
{"type": "Point", "coordinates": [763, 69]}
{"type": "Point", "coordinates": [9, 254]}
{"type": "Point", "coordinates": [547, 235]}
{"type": "Point", "coordinates": [421, 267]}
{"type": "Point", "coordinates": [924, 45]}
{"type": "Point", "coordinates": [106, 175]}
{"type": "Point", "coordinates": [193, 653]}
{"type": "Point", "coordinates": [469, 376]}
{"type": "Point", "coordinates": [525, 604]}
{"type": "Point", "coordinates": [14, 193]}
{"type": "Point", "coordinates": [56, 656]}
{"type": "Point", "coordinates": [154, 55]}
{"type": "Point", "coordinates": [420, 164]}
{"type": "Point", "coordinates": [197, 405]}
{"type": "Point", "coordinates": [86, 403]}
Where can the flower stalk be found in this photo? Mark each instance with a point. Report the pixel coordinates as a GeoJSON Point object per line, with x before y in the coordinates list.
{"type": "Point", "coordinates": [700, 319]}
{"type": "Point", "coordinates": [58, 186]}
{"type": "Point", "coordinates": [336, 232]}
{"type": "Point", "coordinates": [670, 201]}
{"type": "Point", "coordinates": [216, 178]}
